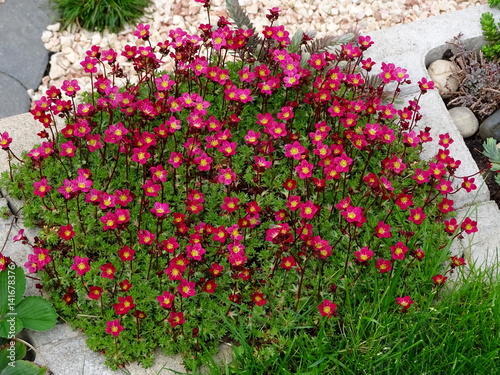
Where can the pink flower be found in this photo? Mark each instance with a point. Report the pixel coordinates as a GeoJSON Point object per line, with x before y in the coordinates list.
{"type": "Point", "coordinates": [195, 251]}
{"type": "Point", "coordinates": [166, 299]}
{"type": "Point", "coordinates": [327, 308]}
{"type": "Point", "coordinates": [146, 237]}
{"type": "Point", "coordinates": [405, 302]}
{"type": "Point", "coordinates": [417, 215]}
{"type": "Point", "coordinates": [364, 254]}
{"type": "Point", "coordinates": [342, 163]}
{"type": "Point", "coordinates": [160, 209]}
{"type": "Point", "coordinates": [230, 204]}
{"type": "Point", "coordinates": [226, 176]}
{"type": "Point", "coordinates": [110, 221]}
{"type": "Point", "coordinates": [308, 210]}
{"type": "Point", "coordinates": [150, 188]}
{"type": "Point", "coordinates": [294, 150]}
{"type": "Point", "coordinates": [114, 327]}
{"type": "Point", "coordinates": [353, 214]}
{"type": "Point", "coordinates": [41, 187]}
{"type": "Point", "coordinates": [186, 288]}
{"type": "Point", "coordinates": [175, 159]}
{"type": "Point", "coordinates": [142, 31]}
{"type": "Point", "coordinates": [304, 169]}
{"type": "Point", "coordinates": [383, 230]}
{"type": "Point", "coordinates": [425, 85]}
{"type": "Point", "coordinates": [80, 265]}
{"type": "Point", "coordinates": [398, 251]}
{"type": "Point", "coordinates": [5, 140]}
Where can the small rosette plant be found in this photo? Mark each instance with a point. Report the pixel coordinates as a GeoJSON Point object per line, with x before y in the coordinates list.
{"type": "Point", "coordinates": [261, 178]}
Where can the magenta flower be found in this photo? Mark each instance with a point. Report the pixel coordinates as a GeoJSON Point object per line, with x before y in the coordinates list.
{"type": "Point", "coordinates": [364, 254]}
{"type": "Point", "coordinates": [398, 251]}
{"type": "Point", "coordinates": [195, 251]}
{"type": "Point", "coordinates": [417, 215]}
{"type": "Point", "coordinates": [383, 230]}
{"type": "Point", "coordinates": [186, 288]}
{"type": "Point", "coordinates": [142, 31]}
{"type": "Point", "coordinates": [5, 140]}
{"type": "Point", "coordinates": [80, 265]}
{"type": "Point", "coordinates": [308, 210]}
{"type": "Point", "coordinates": [110, 221]}
{"type": "Point", "coordinates": [327, 308]}
{"type": "Point", "coordinates": [226, 176]}
{"type": "Point", "coordinates": [160, 209]}
{"type": "Point", "coordinates": [41, 187]}
{"type": "Point", "coordinates": [176, 318]}
{"type": "Point", "coordinates": [230, 204]}
{"type": "Point", "coordinates": [114, 327]}
{"type": "Point", "coordinates": [304, 169]}
{"type": "Point", "coordinates": [146, 237]}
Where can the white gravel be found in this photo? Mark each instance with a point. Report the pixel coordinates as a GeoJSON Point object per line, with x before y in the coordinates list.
{"type": "Point", "coordinates": [324, 16]}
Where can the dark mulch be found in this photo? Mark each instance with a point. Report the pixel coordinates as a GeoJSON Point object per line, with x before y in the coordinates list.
{"type": "Point", "coordinates": [475, 146]}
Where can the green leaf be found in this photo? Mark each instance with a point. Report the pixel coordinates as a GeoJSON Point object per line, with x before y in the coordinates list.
{"type": "Point", "coordinates": [37, 313]}
{"type": "Point", "coordinates": [6, 326]}
{"type": "Point", "coordinates": [18, 353]}
{"type": "Point", "coordinates": [24, 368]}
{"type": "Point", "coordinates": [12, 284]}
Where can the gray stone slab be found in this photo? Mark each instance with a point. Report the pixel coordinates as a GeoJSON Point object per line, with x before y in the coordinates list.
{"type": "Point", "coordinates": [22, 53]}
{"type": "Point", "coordinates": [13, 96]}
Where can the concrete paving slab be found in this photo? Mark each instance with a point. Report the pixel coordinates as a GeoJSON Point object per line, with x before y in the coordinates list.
{"type": "Point", "coordinates": [13, 96]}
{"type": "Point", "coordinates": [22, 53]}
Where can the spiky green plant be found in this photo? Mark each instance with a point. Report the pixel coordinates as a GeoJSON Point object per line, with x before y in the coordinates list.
{"type": "Point", "coordinates": [98, 15]}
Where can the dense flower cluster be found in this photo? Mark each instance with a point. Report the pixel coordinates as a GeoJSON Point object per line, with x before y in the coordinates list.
{"type": "Point", "coordinates": [248, 176]}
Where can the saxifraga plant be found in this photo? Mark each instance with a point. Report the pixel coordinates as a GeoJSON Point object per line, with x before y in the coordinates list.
{"type": "Point", "coordinates": [250, 182]}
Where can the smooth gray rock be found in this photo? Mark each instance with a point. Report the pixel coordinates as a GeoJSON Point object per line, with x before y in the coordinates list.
{"type": "Point", "coordinates": [440, 72]}
{"type": "Point", "coordinates": [465, 121]}
{"type": "Point", "coordinates": [22, 53]}
{"type": "Point", "coordinates": [490, 128]}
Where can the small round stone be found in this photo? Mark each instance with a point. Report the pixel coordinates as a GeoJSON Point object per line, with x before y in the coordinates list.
{"type": "Point", "coordinates": [465, 121]}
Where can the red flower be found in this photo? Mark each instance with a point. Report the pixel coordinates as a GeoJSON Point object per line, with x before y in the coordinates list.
{"type": "Point", "coordinates": [469, 225]}
{"type": "Point", "coordinates": [125, 285]}
{"type": "Point", "coordinates": [166, 300]}
{"type": "Point", "coordinates": [288, 263]}
{"type": "Point", "coordinates": [383, 265]}
{"type": "Point", "coordinates": [258, 299]}
{"type": "Point", "coordinates": [405, 302]}
{"type": "Point", "coordinates": [209, 286]}
{"type": "Point", "coordinates": [417, 215]}
{"type": "Point", "coordinates": [439, 279]}
{"type": "Point", "coordinates": [176, 318]}
{"type": "Point", "coordinates": [66, 232]}
{"type": "Point", "coordinates": [95, 292]}
{"type": "Point", "coordinates": [108, 271]}
{"type": "Point", "coordinates": [327, 308]}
